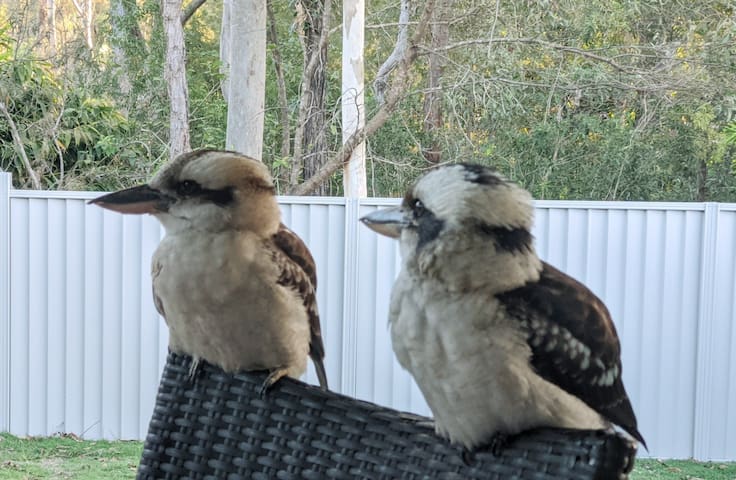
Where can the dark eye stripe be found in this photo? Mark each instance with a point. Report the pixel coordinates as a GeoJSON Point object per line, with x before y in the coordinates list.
{"type": "Point", "coordinates": [221, 197]}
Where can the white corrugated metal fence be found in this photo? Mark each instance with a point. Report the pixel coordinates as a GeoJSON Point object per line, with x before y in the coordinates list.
{"type": "Point", "coordinates": [81, 345]}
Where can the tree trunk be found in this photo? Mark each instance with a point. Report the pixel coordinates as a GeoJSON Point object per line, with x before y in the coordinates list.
{"type": "Point", "coordinates": [440, 35]}
{"type": "Point", "coordinates": [281, 84]}
{"type": "Point", "coordinates": [85, 11]}
{"type": "Point", "coordinates": [312, 118]}
{"type": "Point", "coordinates": [89, 10]}
{"type": "Point", "coordinates": [51, 25]}
{"type": "Point", "coordinates": [119, 15]}
{"type": "Point", "coordinates": [702, 179]}
{"type": "Point", "coordinates": [247, 78]}
{"type": "Point", "coordinates": [353, 104]}
{"type": "Point", "coordinates": [225, 49]}
{"type": "Point", "coordinates": [176, 80]}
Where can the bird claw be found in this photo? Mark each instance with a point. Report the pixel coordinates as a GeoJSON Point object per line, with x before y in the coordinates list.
{"type": "Point", "coordinates": [194, 368]}
{"type": "Point", "coordinates": [498, 443]}
{"type": "Point", "coordinates": [468, 457]}
{"type": "Point", "coordinates": [273, 377]}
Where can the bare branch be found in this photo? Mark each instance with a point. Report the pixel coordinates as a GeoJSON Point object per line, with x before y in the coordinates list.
{"type": "Point", "coordinates": [19, 147]}
{"type": "Point", "coordinates": [383, 26]}
{"type": "Point", "coordinates": [402, 39]}
{"type": "Point", "coordinates": [79, 8]}
{"type": "Point", "coordinates": [191, 10]}
{"type": "Point", "coordinates": [543, 43]}
{"type": "Point", "coordinates": [393, 96]}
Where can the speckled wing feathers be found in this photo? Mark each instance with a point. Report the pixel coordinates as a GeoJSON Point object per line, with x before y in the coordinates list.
{"type": "Point", "coordinates": [574, 343]}
{"type": "Point", "coordinates": [299, 272]}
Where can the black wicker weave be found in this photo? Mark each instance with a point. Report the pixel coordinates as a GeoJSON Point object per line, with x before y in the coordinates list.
{"type": "Point", "coordinates": [219, 427]}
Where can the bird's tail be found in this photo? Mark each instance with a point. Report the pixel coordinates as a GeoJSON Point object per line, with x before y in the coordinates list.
{"type": "Point", "coordinates": [319, 367]}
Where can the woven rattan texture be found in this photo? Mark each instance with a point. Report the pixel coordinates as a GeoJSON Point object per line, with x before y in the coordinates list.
{"type": "Point", "coordinates": [219, 427]}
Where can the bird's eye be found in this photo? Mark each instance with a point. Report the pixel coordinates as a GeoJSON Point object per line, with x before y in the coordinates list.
{"type": "Point", "coordinates": [187, 187]}
{"type": "Point", "coordinates": [419, 208]}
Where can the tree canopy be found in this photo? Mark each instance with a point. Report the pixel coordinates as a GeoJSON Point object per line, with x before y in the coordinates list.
{"type": "Point", "coordinates": [598, 100]}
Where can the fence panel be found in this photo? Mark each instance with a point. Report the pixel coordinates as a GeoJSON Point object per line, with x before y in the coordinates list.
{"type": "Point", "coordinates": [5, 354]}
{"type": "Point", "coordinates": [715, 436]}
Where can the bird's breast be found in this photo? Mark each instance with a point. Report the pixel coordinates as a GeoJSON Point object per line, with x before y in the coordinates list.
{"type": "Point", "coordinates": [222, 302]}
{"type": "Point", "coordinates": [469, 359]}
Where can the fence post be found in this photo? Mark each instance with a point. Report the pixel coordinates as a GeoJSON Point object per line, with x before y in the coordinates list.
{"type": "Point", "coordinates": [704, 353]}
{"type": "Point", "coordinates": [350, 298]}
{"type": "Point", "coordinates": [5, 184]}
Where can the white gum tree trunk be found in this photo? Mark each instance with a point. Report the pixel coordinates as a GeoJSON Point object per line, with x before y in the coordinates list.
{"type": "Point", "coordinates": [246, 82]}
{"type": "Point", "coordinates": [353, 85]}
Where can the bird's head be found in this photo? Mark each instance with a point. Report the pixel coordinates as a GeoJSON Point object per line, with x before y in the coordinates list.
{"type": "Point", "coordinates": [204, 190]}
{"type": "Point", "coordinates": [461, 209]}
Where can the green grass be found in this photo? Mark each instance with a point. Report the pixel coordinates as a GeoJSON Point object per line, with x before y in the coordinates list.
{"type": "Point", "coordinates": [70, 458]}
{"type": "Point", "coordinates": [67, 458]}
{"type": "Point", "coordinates": [683, 470]}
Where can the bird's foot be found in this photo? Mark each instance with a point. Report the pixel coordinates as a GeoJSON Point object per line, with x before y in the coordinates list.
{"type": "Point", "coordinates": [498, 443]}
{"type": "Point", "coordinates": [273, 377]}
{"type": "Point", "coordinates": [468, 456]}
{"type": "Point", "coordinates": [194, 368]}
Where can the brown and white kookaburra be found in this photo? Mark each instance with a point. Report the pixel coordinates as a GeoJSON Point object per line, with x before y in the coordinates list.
{"type": "Point", "coordinates": [236, 287]}
{"type": "Point", "coordinates": [497, 340]}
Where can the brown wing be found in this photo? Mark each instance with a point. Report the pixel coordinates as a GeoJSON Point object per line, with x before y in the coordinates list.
{"type": "Point", "coordinates": [574, 343]}
{"type": "Point", "coordinates": [300, 273]}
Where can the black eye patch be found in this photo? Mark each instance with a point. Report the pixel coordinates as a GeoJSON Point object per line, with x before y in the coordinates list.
{"type": "Point", "coordinates": [220, 197]}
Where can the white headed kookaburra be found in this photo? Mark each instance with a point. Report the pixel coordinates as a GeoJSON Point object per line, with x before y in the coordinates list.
{"type": "Point", "coordinates": [497, 340]}
{"type": "Point", "coordinates": [236, 287]}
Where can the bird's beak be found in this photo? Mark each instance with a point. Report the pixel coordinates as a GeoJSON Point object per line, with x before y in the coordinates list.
{"type": "Point", "coordinates": [140, 199]}
{"type": "Point", "coordinates": [388, 221]}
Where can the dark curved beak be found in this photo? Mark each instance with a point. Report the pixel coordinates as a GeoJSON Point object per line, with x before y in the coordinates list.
{"type": "Point", "coordinates": [387, 221]}
{"type": "Point", "coordinates": [137, 200]}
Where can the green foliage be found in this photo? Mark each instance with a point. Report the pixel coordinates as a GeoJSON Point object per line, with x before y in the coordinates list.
{"type": "Point", "coordinates": [650, 124]}
{"type": "Point", "coordinates": [68, 134]}
{"type": "Point", "coordinates": [639, 105]}
{"type": "Point", "coordinates": [207, 107]}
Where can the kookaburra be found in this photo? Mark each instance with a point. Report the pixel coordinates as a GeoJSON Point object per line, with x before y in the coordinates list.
{"type": "Point", "coordinates": [497, 340]}
{"type": "Point", "coordinates": [236, 287]}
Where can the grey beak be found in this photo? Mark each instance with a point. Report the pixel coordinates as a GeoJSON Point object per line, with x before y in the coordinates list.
{"type": "Point", "coordinates": [387, 221]}
{"type": "Point", "coordinates": [137, 200]}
